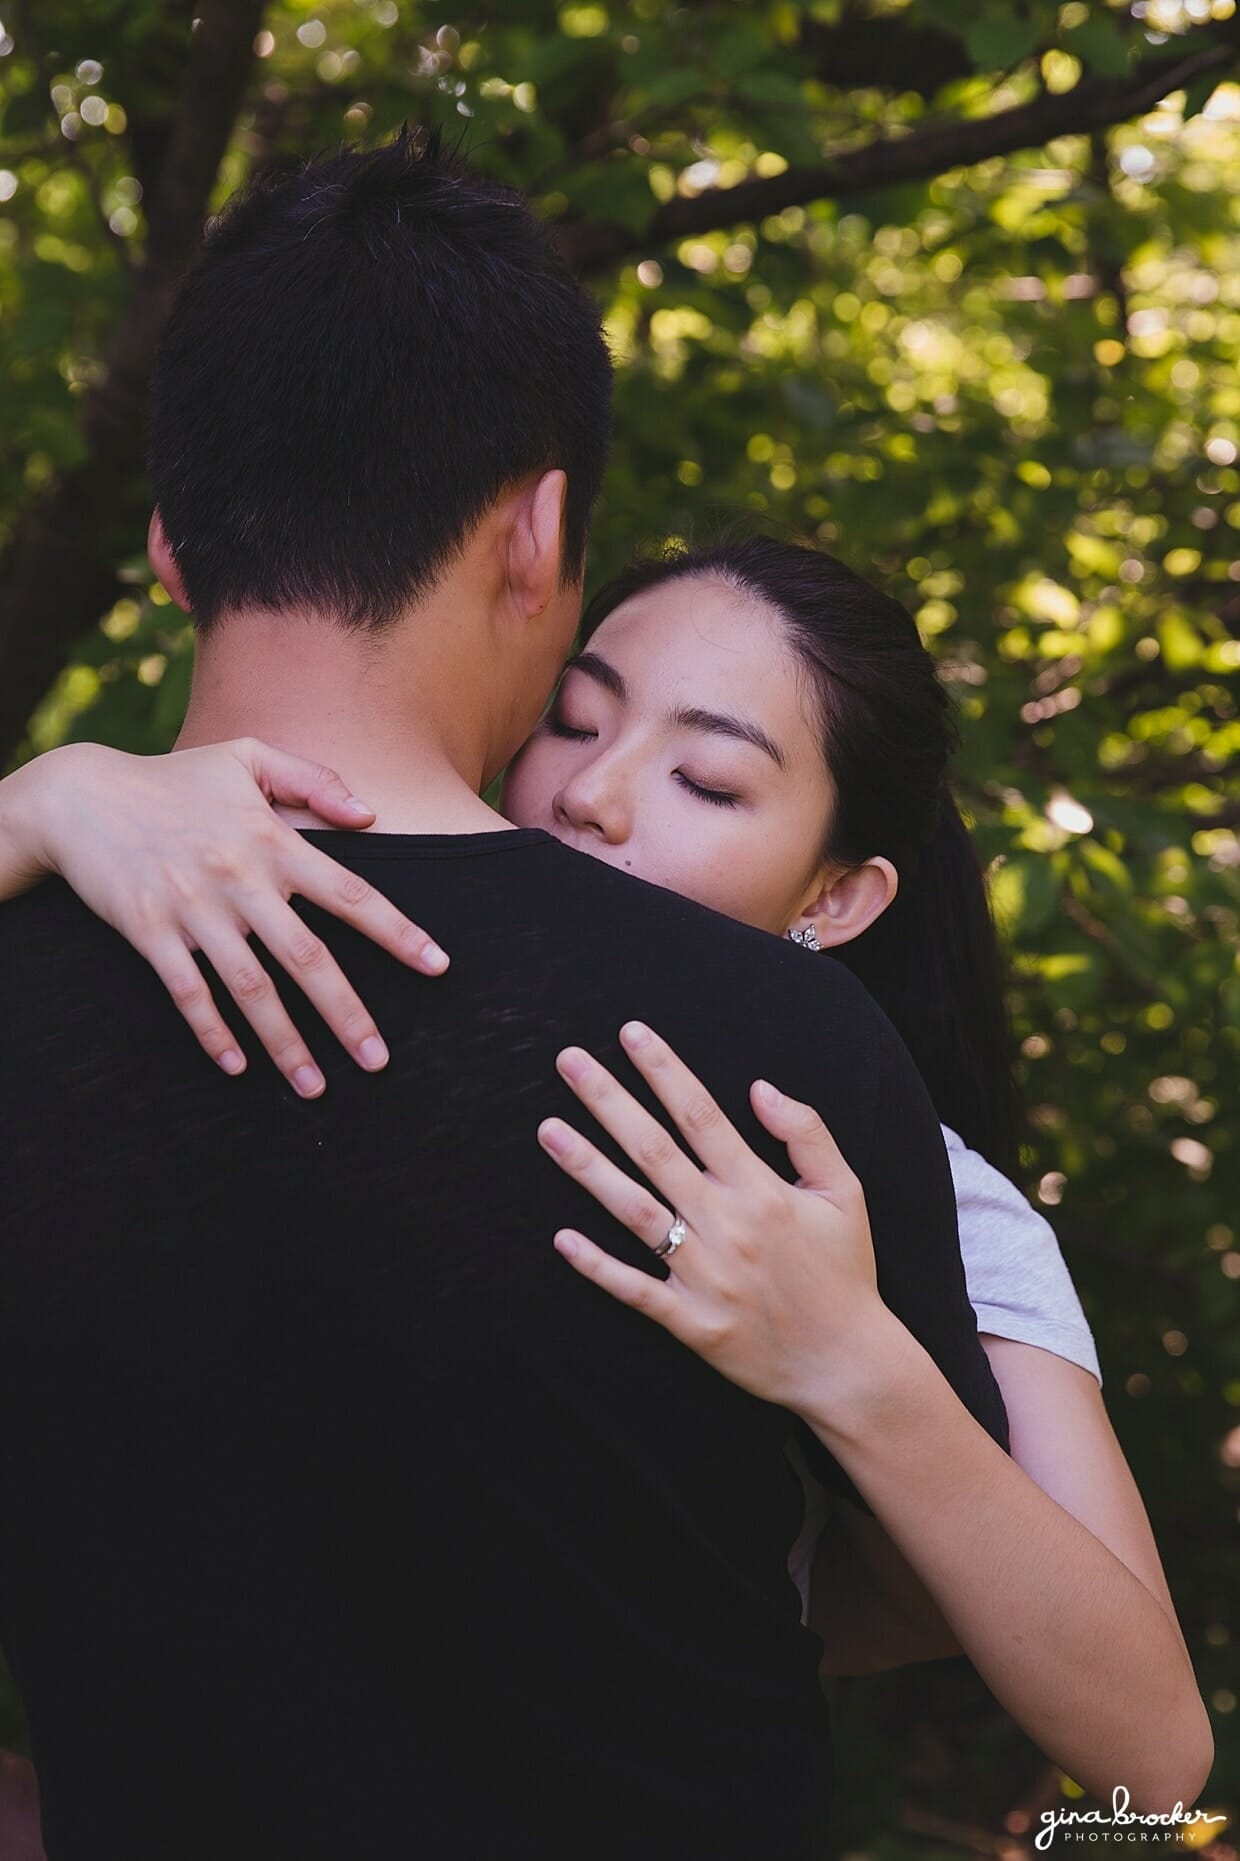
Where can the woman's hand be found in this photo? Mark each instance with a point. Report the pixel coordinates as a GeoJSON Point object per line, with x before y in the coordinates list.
{"type": "Point", "coordinates": [183, 852]}
{"type": "Point", "coordinates": [775, 1284]}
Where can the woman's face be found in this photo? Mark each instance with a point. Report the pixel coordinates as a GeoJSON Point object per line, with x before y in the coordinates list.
{"type": "Point", "coordinates": [679, 747]}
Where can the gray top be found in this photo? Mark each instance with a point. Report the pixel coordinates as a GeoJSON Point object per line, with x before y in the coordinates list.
{"type": "Point", "coordinates": [1018, 1283]}
{"type": "Point", "coordinates": [1019, 1287]}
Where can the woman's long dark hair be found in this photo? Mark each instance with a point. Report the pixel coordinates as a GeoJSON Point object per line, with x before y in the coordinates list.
{"type": "Point", "coordinates": [932, 961]}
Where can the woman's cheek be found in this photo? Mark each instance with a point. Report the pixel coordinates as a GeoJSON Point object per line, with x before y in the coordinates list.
{"type": "Point", "coordinates": [705, 862]}
{"type": "Point", "coordinates": [746, 876]}
{"type": "Point", "coordinates": [529, 786]}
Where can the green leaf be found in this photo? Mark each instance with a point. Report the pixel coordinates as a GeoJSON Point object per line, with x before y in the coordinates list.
{"type": "Point", "coordinates": [949, 15]}
{"type": "Point", "coordinates": [1198, 94]}
{"type": "Point", "coordinates": [1229, 1001]}
{"type": "Point", "coordinates": [675, 86]}
{"type": "Point", "coordinates": [613, 190]}
{"type": "Point", "coordinates": [771, 87]}
{"type": "Point", "coordinates": [1106, 867]}
{"type": "Point", "coordinates": [1180, 641]}
{"type": "Point", "coordinates": [27, 112]}
{"type": "Point", "coordinates": [1101, 45]}
{"type": "Point", "coordinates": [740, 49]}
{"type": "Point", "coordinates": [1024, 893]}
{"type": "Point", "coordinates": [1001, 40]}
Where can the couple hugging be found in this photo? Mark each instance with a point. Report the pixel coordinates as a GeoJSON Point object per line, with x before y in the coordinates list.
{"type": "Point", "coordinates": [486, 1448]}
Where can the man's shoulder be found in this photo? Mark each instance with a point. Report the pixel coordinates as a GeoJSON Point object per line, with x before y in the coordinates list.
{"type": "Point", "coordinates": [55, 950]}
{"type": "Point", "coordinates": [562, 897]}
{"type": "Point", "coordinates": [50, 906]}
{"type": "Point", "coordinates": [754, 968]}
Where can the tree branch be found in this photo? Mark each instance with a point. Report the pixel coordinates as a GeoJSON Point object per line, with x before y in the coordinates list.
{"type": "Point", "coordinates": [58, 572]}
{"type": "Point", "coordinates": [1093, 104]}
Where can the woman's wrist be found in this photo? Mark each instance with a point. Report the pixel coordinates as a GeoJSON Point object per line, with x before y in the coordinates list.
{"type": "Point", "coordinates": [24, 799]}
{"type": "Point", "coordinates": [857, 1395]}
{"type": "Point", "coordinates": [32, 800]}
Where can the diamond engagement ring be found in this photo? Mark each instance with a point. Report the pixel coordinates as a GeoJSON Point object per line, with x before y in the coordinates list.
{"type": "Point", "coordinates": [675, 1235]}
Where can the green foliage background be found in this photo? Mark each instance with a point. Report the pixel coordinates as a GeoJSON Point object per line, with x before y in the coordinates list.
{"type": "Point", "coordinates": [1008, 390]}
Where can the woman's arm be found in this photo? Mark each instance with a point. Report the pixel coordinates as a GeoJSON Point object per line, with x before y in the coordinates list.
{"type": "Point", "coordinates": [20, 1836]}
{"type": "Point", "coordinates": [24, 858]}
{"type": "Point", "coordinates": [1072, 1643]}
{"type": "Point", "coordinates": [184, 852]}
{"type": "Point", "coordinates": [1084, 1652]}
{"type": "Point", "coordinates": [868, 1603]}
{"type": "Point", "coordinates": [1062, 1436]}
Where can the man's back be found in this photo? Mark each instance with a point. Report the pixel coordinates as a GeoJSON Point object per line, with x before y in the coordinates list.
{"type": "Point", "coordinates": [346, 1519]}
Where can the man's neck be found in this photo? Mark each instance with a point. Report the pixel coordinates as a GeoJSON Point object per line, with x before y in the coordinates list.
{"type": "Point", "coordinates": [309, 688]}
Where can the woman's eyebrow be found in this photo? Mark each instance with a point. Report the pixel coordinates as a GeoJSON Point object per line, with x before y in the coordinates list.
{"type": "Point", "coordinates": [603, 674]}
{"type": "Point", "coordinates": [740, 729]}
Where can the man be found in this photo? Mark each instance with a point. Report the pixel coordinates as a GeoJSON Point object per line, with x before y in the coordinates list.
{"type": "Point", "coordinates": [345, 1520]}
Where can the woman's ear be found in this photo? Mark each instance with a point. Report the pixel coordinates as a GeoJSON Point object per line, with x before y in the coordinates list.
{"type": "Point", "coordinates": [850, 901]}
{"type": "Point", "coordinates": [163, 561]}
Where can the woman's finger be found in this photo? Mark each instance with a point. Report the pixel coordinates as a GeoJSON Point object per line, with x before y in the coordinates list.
{"type": "Point", "coordinates": [175, 966]}
{"type": "Point", "coordinates": [641, 1291]}
{"type": "Point", "coordinates": [323, 881]}
{"type": "Point", "coordinates": [640, 1212]}
{"type": "Point", "coordinates": [817, 1158]}
{"type": "Point", "coordinates": [294, 782]}
{"type": "Point", "coordinates": [239, 969]}
{"type": "Point", "coordinates": [696, 1115]}
{"type": "Point", "coordinates": [642, 1138]}
{"type": "Point", "coordinates": [307, 959]}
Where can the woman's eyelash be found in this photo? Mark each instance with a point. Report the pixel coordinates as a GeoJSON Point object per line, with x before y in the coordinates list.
{"type": "Point", "coordinates": [559, 728]}
{"type": "Point", "coordinates": [718, 797]}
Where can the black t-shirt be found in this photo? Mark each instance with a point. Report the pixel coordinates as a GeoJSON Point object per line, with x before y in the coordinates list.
{"type": "Point", "coordinates": [342, 1517]}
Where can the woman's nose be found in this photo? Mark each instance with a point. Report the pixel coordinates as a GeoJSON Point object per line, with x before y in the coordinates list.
{"type": "Point", "coordinates": [595, 801]}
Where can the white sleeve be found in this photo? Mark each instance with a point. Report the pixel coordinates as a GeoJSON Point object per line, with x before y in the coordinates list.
{"type": "Point", "coordinates": [1018, 1283]}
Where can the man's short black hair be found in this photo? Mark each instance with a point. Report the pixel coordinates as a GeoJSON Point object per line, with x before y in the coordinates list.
{"type": "Point", "coordinates": [365, 356]}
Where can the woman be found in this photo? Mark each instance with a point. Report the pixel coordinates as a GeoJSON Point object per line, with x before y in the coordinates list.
{"type": "Point", "coordinates": [756, 727]}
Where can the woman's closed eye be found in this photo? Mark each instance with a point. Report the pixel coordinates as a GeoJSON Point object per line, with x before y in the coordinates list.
{"type": "Point", "coordinates": [560, 727]}
{"type": "Point", "coordinates": [718, 797]}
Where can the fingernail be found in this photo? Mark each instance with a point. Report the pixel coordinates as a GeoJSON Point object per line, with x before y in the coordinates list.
{"type": "Point", "coordinates": [372, 1053]}
{"type": "Point", "coordinates": [767, 1093]}
{"type": "Point", "coordinates": [309, 1081]}
{"type": "Point", "coordinates": [572, 1062]}
{"type": "Point", "coordinates": [232, 1061]}
{"type": "Point", "coordinates": [566, 1243]}
{"type": "Point", "coordinates": [553, 1137]}
{"type": "Point", "coordinates": [635, 1034]}
{"type": "Point", "coordinates": [355, 806]}
{"type": "Point", "coordinates": [434, 958]}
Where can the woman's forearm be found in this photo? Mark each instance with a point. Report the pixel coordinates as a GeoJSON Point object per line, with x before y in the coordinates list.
{"type": "Point", "coordinates": [1067, 1638]}
{"type": "Point", "coordinates": [20, 1838]}
{"type": "Point", "coordinates": [24, 797]}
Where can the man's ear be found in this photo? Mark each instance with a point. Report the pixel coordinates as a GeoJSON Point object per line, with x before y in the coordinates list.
{"type": "Point", "coordinates": [850, 902]}
{"type": "Point", "coordinates": [536, 544]}
{"type": "Point", "coordinates": [163, 561]}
